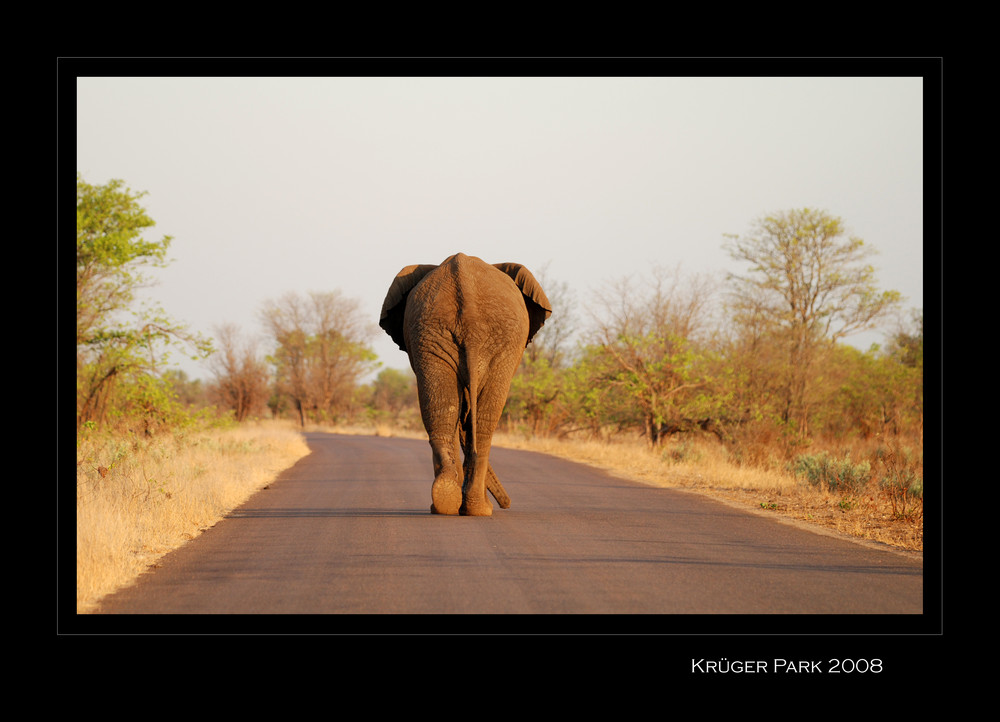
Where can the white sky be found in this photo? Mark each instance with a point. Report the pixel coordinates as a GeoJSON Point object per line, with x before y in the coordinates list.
{"type": "Point", "coordinates": [270, 185]}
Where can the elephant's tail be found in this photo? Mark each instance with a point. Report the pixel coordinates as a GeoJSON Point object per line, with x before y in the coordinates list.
{"type": "Point", "coordinates": [472, 366]}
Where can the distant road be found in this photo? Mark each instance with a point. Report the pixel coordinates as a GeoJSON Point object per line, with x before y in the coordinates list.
{"type": "Point", "coordinates": [347, 530]}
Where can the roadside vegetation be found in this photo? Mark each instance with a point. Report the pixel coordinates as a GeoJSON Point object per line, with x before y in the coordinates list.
{"type": "Point", "coordinates": [138, 498]}
{"type": "Point", "coordinates": [743, 388]}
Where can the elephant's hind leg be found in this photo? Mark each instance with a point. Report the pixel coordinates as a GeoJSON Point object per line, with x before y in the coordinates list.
{"type": "Point", "coordinates": [480, 476]}
{"type": "Point", "coordinates": [446, 492]}
{"type": "Point", "coordinates": [476, 502]}
{"type": "Point", "coordinates": [492, 482]}
{"type": "Point", "coordinates": [440, 410]}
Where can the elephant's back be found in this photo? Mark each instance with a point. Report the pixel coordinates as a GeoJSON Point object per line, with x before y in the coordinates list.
{"type": "Point", "coordinates": [490, 305]}
{"type": "Point", "coordinates": [471, 300]}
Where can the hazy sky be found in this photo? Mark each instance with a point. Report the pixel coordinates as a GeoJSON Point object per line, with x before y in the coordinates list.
{"type": "Point", "coordinates": [271, 185]}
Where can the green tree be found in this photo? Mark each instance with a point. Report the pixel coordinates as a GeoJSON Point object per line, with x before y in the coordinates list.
{"type": "Point", "coordinates": [394, 389]}
{"type": "Point", "coordinates": [595, 403]}
{"type": "Point", "coordinates": [121, 349]}
{"type": "Point", "coordinates": [189, 392]}
{"type": "Point", "coordinates": [867, 393]}
{"type": "Point", "coordinates": [907, 348]}
{"type": "Point", "coordinates": [392, 397]}
{"type": "Point", "coordinates": [651, 335]}
{"type": "Point", "coordinates": [537, 399]}
{"type": "Point", "coordinates": [809, 286]}
{"type": "Point", "coordinates": [907, 344]}
{"type": "Point", "coordinates": [534, 394]}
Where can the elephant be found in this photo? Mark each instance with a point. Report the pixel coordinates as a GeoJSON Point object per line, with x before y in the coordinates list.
{"type": "Point", "coordinates": [464, 325]}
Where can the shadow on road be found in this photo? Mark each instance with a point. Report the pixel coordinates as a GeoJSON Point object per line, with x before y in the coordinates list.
{"type": "Point", "coordinates": [325, 513]}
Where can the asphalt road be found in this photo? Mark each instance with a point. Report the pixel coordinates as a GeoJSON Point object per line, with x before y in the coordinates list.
{"type": "Point", "coordinates": [347, 530]}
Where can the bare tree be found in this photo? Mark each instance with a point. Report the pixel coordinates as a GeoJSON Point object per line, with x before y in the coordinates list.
{"type": "Point", "coordinates": [321, 350]}
{"type": "Point", "coordinates": [241, 377]}
{"type": "Point", "coordinates": [286, 320]}
{"type": "Point", "coordinates": [554, 339]}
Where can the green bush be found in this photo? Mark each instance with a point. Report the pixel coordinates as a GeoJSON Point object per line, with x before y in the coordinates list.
{"type": "Point", "coordinates": [837, 475]}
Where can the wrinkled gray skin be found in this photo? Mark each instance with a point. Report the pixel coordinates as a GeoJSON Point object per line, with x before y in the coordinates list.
{"type": "Point", "coordinates": [464, 325]}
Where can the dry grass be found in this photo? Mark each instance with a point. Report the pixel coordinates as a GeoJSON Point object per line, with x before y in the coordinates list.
{"type": "Point", "coordinates": [136, 501]}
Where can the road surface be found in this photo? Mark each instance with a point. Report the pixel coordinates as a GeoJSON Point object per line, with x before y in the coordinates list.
{"type": "Point", "coordinates": [347, 530]}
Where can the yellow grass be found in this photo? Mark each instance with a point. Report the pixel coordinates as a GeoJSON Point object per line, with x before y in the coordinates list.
{"type": "Point", "coordinates": [136, 501]}
{"type": "Point", "coordinates": [699, 465]}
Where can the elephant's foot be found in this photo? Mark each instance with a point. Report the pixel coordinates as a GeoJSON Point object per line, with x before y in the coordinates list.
{"type": "Point", "coordinates": [446, 493]}
{"type": "Point", "coordinates": [477, 507]}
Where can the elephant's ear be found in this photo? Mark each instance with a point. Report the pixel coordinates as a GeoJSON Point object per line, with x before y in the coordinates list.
{"type": "Point", "coordinates": [394, 305]}
{"type": "Point", "coordinates": [535, 299]}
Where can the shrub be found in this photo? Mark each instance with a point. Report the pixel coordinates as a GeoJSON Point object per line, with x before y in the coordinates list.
{"type": "Point", "coordinates": [901, 480]}
{"type": "Point", "coordinates": [837, 475]}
